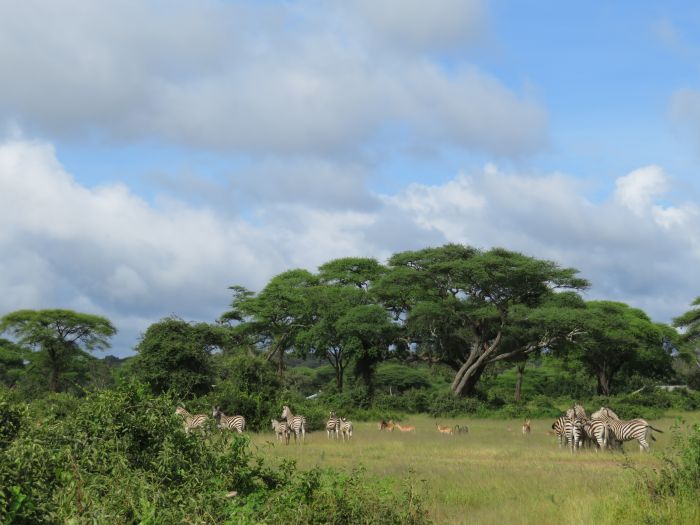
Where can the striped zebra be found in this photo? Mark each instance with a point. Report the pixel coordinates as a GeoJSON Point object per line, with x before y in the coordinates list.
{"type": "Point", "coordinates": [296, 424]}
{"type": "Point", "coordinates": [346, 428]}
{"type": "Point", "coordinates": [236, 423]}
{"type": "Point", "coordinates": [191, 420]}
{"type": "Point", "coordinates": [333, 425]}
{"type": "Point", "coordinates": [577, 411]}
{"type": "Point", "coordinates": [637, 429]}
{"type": "Point", "coordinates": [281, 430]}
{"type": "Point", "coordinates": [569, 431]}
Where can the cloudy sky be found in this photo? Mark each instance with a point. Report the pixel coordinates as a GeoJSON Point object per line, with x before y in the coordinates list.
{"type": "Point", "coordinates": [155, 152]}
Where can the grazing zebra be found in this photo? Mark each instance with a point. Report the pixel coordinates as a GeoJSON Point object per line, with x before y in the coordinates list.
{"type": "Point", "coordinates": [191, 421]}
{"type": "Point", "coordinates": [333, 425]}
{"type": "Point", "coordinates": [637, 429]}
{"type": "Point", "coordinates": [346, 428]}
{"type": "Point", "coordinates": [526, 427]}
{"type": "Point", "coordinates": [297, 424]}
{"type": "Point", "coordinates": [281, 430]}
{"type": "Point", "coordinates": [230, 422]}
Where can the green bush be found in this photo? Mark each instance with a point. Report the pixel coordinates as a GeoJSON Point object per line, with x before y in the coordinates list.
{"type": "Point", "coordinates": [123, 457]}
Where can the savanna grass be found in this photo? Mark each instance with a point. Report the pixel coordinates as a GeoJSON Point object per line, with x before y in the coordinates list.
{"type": "Point", "coordinates": [493, 474]}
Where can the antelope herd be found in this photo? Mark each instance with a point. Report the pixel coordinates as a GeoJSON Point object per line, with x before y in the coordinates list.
{"type": "Point", "coordinates": [602, 430]}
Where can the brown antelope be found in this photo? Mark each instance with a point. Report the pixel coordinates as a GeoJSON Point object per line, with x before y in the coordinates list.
{"type": "Point", "coordinates": [405, 428]}
{"type": "Point", "coordinates": [444, 429]}
{"type": "Point", "coordinates": [387, 425]}
{"type": "Point", "coordinates": [526, 427]}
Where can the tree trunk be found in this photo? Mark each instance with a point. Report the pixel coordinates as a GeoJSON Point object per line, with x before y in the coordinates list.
{"type": "Point", "coordinates": [55, 364]}
{"type": "Point", "coordinates": [520, 368]}
{"type": "Point", "coordinates": [603, 383]}
{"type": "Point", "coordinates": [339, 377]}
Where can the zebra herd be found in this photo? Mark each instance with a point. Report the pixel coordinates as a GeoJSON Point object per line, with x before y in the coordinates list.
{"type": "Point", "coordinates": [291, 424]}
{"type": "Point", "coordinates": [603, 430]}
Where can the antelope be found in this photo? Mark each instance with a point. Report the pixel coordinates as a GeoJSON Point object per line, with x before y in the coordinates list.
{"type": "Point", "coordinates": [387, 425]}
{"type": "Point", "coordinates": [526, 427]}
{"type": "Point", "coordinates": [405, 428]}
{"type": "Point", "coordinates": [444, 429]}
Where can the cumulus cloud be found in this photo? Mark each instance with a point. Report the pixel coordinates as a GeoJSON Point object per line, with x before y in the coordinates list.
{"type": "Point", "coordinates": [415, 24]}
{"type": "Point", "coordinates": [105, 250]}
{"type": "Point", "coordinates": [287, 78]}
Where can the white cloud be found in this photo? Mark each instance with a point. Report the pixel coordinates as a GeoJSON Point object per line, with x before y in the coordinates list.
{"type": "Point", "coordinates": [416, 24]}
{"type": "Point", "coordinates": [637, 190]}
{"type": "Point", "coordinates": [107, 251]}
{"type": "Point", "coordinates": [292, 78]}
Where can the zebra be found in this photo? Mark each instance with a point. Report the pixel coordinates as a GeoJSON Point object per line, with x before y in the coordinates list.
{"type": "Point", "coordinates": [191, 421]}
{"type": "Point", "coordinates": [637, 429]}
{"type": "Point", "coordinates": [569, 431]}
{"type": "Point", "coordinates": [577, 412]}
{"type": "Point", "coordinates": [346, 428]}
{"type": "Point", "coordinates": [333, 425]}
{"type": "Point", "coordinates": [281, 430]}
{"type": "Point", "coordinates": [230, 422]}
{"type": "Point", "coordinates": [297, 424]}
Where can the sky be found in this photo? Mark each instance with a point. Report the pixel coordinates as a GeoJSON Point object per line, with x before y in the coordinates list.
{"type": "Point", "coordinates": [154, 153]}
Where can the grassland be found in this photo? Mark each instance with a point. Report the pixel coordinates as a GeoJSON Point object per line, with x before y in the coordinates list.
{"type": "Point", "coordinates": [492, 475]}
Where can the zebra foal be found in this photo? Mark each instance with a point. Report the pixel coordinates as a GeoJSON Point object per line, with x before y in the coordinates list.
{"type": "Point", "coordinates": [281, 430]}
{"type": "Point", "coordinates": [191, 420]}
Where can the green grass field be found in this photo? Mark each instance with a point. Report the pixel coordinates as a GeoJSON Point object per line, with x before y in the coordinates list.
{"type": "Point", "coordinates": [493, 474]}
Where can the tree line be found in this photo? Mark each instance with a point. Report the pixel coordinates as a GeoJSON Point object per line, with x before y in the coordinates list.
{"type": "Point", "coordinates": [456, 307]}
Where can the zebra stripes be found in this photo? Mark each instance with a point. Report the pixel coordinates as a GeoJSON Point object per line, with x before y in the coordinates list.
{"type": "Point", "coordinates": [630, 430]}
{"type": "Point", "coordinates": [333, 425]}
{"type": "Point", "coordinates": [346, 428]}
{"type": "Point", "coordinates": [236, 423]}
{"type": "Point", "coordinates": [297, 424]}
{"type": "Point", "coordinates": [191, 420]}
{"type": "Point", "coordinates": [281, 430]}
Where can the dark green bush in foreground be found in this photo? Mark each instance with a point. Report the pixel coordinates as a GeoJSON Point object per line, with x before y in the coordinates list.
{"type": "Point", "coordinates": [122, 457]}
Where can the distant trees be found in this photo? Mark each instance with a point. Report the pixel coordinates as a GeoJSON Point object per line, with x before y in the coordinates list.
{"type": "Point", "coordinates": [59, 338]}
{"type": "Point", "coordinates": [175, 356]}
{"type": "Point", "coordinates": [617, 337]}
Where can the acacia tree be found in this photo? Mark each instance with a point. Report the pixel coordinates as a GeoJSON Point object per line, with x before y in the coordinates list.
{"type": "Point", "coordinates": [276, 316]}
{"type": "Point", "coordinates": [459, 305]}
{"type": "Point", "coordinates": [618, 337]}
{"type": "Point", "coordinates": [690, 323]}
{"type": "Point", "coordinates": [60, 337]}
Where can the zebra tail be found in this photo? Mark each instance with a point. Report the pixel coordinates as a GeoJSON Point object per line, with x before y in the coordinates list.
{"type": "Point", "coordinates": [655, 429]}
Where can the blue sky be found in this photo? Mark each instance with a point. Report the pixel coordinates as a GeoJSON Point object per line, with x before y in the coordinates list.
{"type": "Point", "coordinates": [154, 153]}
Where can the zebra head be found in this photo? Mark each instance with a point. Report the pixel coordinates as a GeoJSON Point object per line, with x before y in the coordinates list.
{"type": "Point", "coordinates": [285, 412]}
{"type": "Point", "coordinates": [180, 411]}
{"type": "Point", "coordinates": [216, 412]}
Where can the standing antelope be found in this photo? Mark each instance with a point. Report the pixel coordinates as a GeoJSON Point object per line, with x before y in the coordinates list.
{"type": "Point", "coordinates": [297, 424]}
{"type": "Point", "coordinates": [526, 427]}
{"type": "Point", "coordinates": [191, 420]}
{"type": "Point", "coordinates": [444, 429]}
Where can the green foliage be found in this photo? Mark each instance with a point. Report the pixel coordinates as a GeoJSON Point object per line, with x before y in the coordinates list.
{"type": "Point", "coordinates": [123, 457]}
{"type": "Point", "coordinates": [11, 417]}
{"type": "Point", "coordinates": [175, 356]}
{"type": "Point", "coordinates": [668, 495]}
{"type": "Point", "coordinates": [401, 378]}
{"type": "Point", "coordinates": [61, 338]}
{"type": "Point", "coordinates": [246, 386]}
{"type": "Point", "coordinates": [12, 362]}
